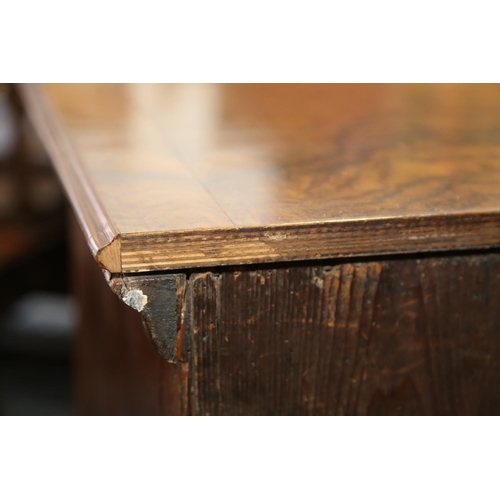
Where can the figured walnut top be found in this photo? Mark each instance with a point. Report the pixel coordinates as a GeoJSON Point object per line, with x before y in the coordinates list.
{"type": "Point", "coordinates": [180, 176]}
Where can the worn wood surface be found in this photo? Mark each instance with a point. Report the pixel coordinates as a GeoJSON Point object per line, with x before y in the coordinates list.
{"type": "Point", "coordinates": [400, 336]}
{"type": "Point", "coordinates": [160, 300]}
{"type": "Point", "coordinates": [395, 337]}
{"type": "Point", "coordinates": [184, 176]}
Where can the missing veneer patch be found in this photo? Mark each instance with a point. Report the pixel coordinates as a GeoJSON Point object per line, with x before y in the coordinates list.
{"type": "Point", "coordinates": [135, 299]}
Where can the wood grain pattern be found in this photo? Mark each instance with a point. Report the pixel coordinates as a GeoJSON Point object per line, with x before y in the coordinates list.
{"type": "Point", "coordinates": [400, 336]}
{"type": "Point", "coordinates": [395, 337]}
{"type": "Point", "coordinates": [175, 176]}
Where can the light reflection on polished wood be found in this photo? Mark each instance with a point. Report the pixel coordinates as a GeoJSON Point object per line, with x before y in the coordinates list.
{"type": "Point", "coordinates": [178, 176]}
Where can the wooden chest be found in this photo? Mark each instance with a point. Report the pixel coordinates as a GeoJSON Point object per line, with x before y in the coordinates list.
{"type": "Point", "coordinates": [281, 249]}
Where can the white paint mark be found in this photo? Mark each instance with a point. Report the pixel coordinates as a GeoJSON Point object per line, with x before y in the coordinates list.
{"type": "Point", "coordinates": [135, 299]}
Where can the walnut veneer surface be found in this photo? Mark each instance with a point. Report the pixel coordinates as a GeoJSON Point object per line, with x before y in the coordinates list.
{"type": "Point", "coordinates": [183, 176]}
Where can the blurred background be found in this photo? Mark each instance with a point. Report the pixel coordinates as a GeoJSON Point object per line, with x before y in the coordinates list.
{"type": "Point", "coordinates": [37, 313]}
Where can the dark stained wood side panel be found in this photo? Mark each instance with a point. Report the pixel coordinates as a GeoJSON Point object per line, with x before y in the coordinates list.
{"type": "Point", "coordinates": [117, 370]}
{"type": "Point", "coordinates": [396, 337]}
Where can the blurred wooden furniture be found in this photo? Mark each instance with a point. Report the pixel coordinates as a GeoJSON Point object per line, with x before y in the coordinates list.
{"type": "Point", "coordinates": [32, 206]}
{"type": "Point", "coordinates": [292, 249]}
